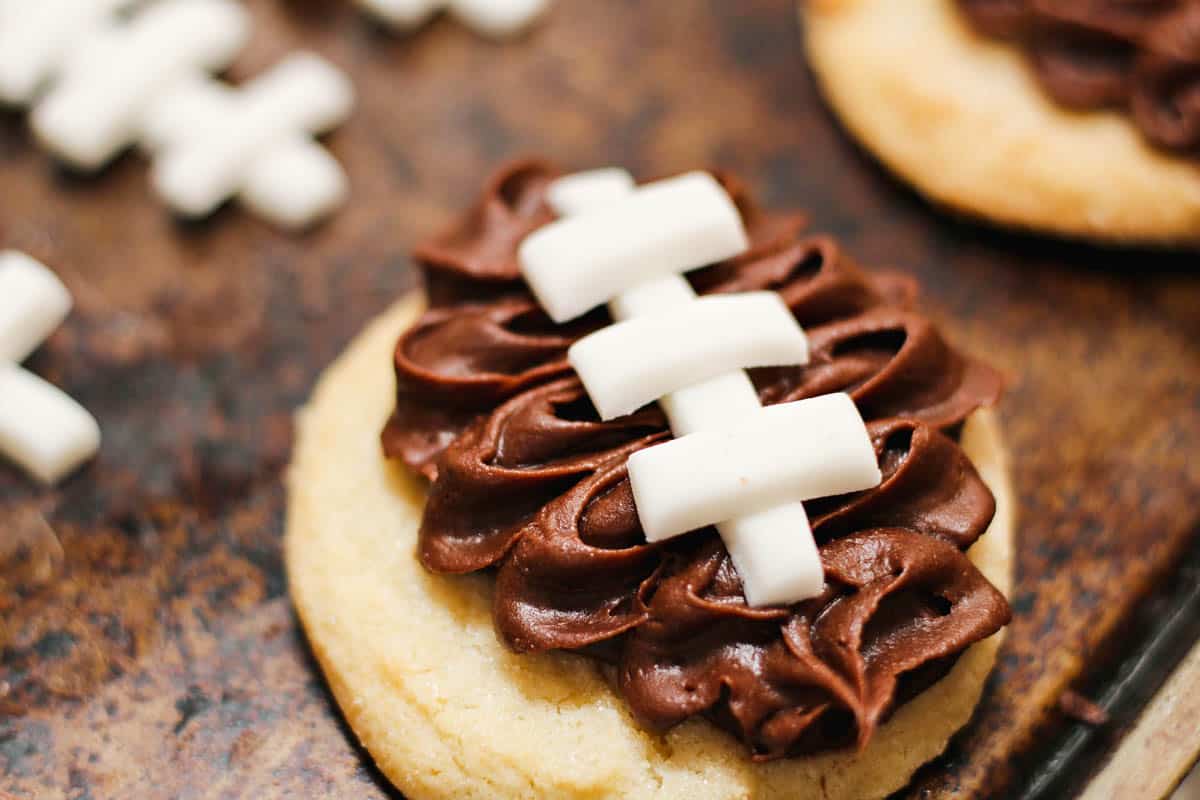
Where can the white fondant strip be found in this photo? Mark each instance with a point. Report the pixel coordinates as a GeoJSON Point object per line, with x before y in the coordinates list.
{"type": "Point", "coordinates": [663, 228]}
{"type": "Point", "coordinates": [652, 297]}
{"type": "Point", "coordinates": [42, 429]}
{"type": "Point", "coordinates": [296, 184]}
{"type": "Point", "coordinates": [95, 109]}
{"type": "Point", "coordinates": [715, 403]}
{"type": "Point", "coordinates": [574, 194]}
{"type": "Point", "coordinates": [291, 183]}
{"type": "Point", "coordinates": [793, 451]}
{"type": "Point", "coordinates": [33, 303]}
{"type": "Point", "coordinates": [632, 363]}
{"type": "Point", "coordinates": [259, 142]}
{"type": "Point", "coordinates": [36, 37]}
{"type": "Point", "coordinates": [775, 554]}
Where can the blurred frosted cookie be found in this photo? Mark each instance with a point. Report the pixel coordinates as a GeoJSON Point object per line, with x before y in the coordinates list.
{"type": "Point", "coordinates": [1078, 119]}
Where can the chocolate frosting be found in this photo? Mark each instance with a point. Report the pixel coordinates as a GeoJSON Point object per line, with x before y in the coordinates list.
{"type": "Point", "coordinates": [527, 481]}
{"type": "Point", "coordinates": [1142, 56]}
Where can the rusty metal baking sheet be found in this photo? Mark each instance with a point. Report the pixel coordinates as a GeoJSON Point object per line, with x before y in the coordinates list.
{"type": "Point", "coordinates": [147, 648]}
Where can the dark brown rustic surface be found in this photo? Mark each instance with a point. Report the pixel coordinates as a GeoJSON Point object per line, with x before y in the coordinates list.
{"type": "Point", "coordinates": [146, 646]}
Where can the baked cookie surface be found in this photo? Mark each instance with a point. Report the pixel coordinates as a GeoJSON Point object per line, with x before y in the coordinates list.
{"type": "Point", "coordinates": [962, 119]}
{"type": "Point", "coordinates": [448, 712]}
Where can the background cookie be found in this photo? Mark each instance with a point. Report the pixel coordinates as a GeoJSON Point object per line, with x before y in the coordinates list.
{"type": "Point", "coordinates": [961, 118]}
{"type": "Point", "coordinates": [448, 712]}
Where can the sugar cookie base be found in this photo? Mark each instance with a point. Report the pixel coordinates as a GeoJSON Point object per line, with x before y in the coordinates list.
{"type": "Point", "coordinates": [447, 712]}
{"type": "Point", "coordinates": [962, 119]}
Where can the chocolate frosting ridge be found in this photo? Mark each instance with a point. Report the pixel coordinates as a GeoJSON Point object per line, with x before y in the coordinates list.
{"type": "Point", "coordinates": [823, 673]}
{"type": "Point", "coordinates": [528, 482]}
{"type": "Point", "coordinates": [495, 477]}
{"type": "Point", "coordinates": [1140, 56]}
{"type": "Point", "coordinates": [476, 256]}
{"type": "Point", "coordinates": [458, 362]}
{"type": "Point", "coordinates": [894, 363]}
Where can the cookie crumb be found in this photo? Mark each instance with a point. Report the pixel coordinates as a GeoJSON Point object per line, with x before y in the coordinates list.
{"type": "Point", "coordinates": [1080, 709]}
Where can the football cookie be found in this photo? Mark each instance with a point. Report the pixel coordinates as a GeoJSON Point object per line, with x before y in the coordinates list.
{"type": "Point", "coordinates": [673, 500]}
{"type": "Point", "coordinates": [1077, 121]}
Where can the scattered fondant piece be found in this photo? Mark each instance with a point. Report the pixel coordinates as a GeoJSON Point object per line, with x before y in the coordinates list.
{"type": "Point", "coordinates": [33, 303]}
{"type": "Point", "coordinates": [110, 74]}
{"type": "Point", "coordinates": [254, 142]}
{"type": "Point", "coordinates": [667, 344]}
{"type": "Point", "coordinates": [495, 18]}
{"type": "Point", "coordinates": [36, 37]}
{"type": "Point", "coordinates": [41, 429]}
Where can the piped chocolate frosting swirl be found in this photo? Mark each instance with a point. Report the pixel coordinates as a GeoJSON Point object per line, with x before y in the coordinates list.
{"type": "Point", "coordinates": [1139, 56]}
{"type": "Point", "coordinates": [528, 482]}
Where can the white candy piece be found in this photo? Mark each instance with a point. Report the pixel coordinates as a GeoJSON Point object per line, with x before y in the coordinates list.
{"type": "Point", "coordinates": [793, 451]}
{"type": "Point", "coordinates": [106, 86]}
{"type": "Point", "coordinates": [775, 555]}
{"type": "Point", "coordinates": [195, 106]}
{"type": "Point", "coordinates": [33, 303]}
{"type": "Point", "coordinates": [218, 143]}
{"type": "Point", "coordinates": [714, 403]}
{"type": "Point", "coordinates": [495, 18]}
{"type": "Point", "coordinates": [663, 228]}
{"type": "Point", "coordinates": [574, 194]}
{"type": "Point", "coordinates": [296, 185]}
{"type": "Point", "coordinates": [41, 428]}
{"type": "Point", "coordinates": [631, 363]}
{"type": "Point", "coordinates": [36, 37]}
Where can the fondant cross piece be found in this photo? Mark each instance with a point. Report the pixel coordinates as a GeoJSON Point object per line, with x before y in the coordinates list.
{"type": "Point", "coordinates": [734, 464]}
{"type": "Point", "coordinates": [100, 82]}
{"type": "Point", "coordinates": [497, 18]}
{"type": "Point", "coordinates": [37, 38]}
{"type": "Point", "coordinates": [106, 76]}
{"type": "Point", "coordinates": [214, 142]}
{"type": "Point", "coordinates": [41, 428]}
